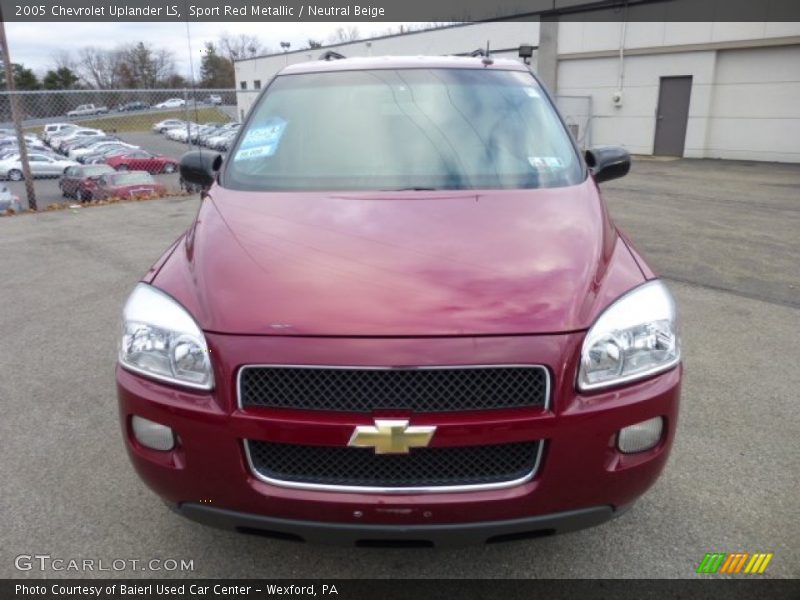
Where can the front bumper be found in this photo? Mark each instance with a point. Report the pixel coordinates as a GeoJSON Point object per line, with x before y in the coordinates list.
{"type": "Point", "coordinates": [581, 481]}
{"type": "Point", "coordinates": [446, 534]}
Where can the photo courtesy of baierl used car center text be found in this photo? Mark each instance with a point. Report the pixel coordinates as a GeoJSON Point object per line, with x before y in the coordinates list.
{"type": "Point", "coordinates": [471, 299]}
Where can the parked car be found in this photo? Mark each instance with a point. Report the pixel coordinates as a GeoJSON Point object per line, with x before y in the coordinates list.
{"type": "Point", "coordinates": [100, 156]}
{"type": "Point", "coordinates": [171, 103]}
{"type": "Point", "coordinates": [168, 124]}
{"type": "Point", "coordinates": [130, 184]}
{"type": "Point", "coordinates": [202, 129]}
{"type": "Point", "coordinates": [58, 141]}
{"type": "Point", "coordinates": [80, 181]}
{"type": "Point", "coordinates": [214, 99]}
{"type": "Point", "coordinates": [225, 141]}
{"type": "Point", "coordinates": [180, 134]}
{"type": "Point", "coordinates": [29, 139]}
{"type": "Point", "coordinates": [131, 106]}
{"type": "Point", "coordinates": [221, 130]}
{"type": "Point", "coordinates": [9, 201]}
{"type": "Point", "coordinates": [142, 160]}
{"type": "Point", "coordinates": [414, 326]}
{"type": "Point", "coordinates": [77, 153]}
{"type": "Point", "coordinates": [221, 141]}
{"type": "Point", "coordinates": [7, 151]}
{"type": "Point", "coordinates": [53, 128]}
{"type": "Point", "coordinates": [68, 145]}
{"type": "Point", "coordinates": [41, 165]}
{"type": "Point", "coordinates": [90, 140]}
{"type": "Point", "coordinates": [86, 110]}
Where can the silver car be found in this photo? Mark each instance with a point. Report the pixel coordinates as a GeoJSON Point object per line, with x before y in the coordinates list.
{"type": "Point", "coordinates": [42, 165]}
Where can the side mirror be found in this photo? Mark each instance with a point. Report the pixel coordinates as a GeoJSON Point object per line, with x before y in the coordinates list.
{"type": "Point", "coordinates": [200, 168]}
{"type": "Point", "coordinates": [608, 162]}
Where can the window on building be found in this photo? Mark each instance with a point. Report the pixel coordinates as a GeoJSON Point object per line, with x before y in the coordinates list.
{"type": "Point", "coordinates": [243, 85]}
{"type": "Point", "coordinates": [257, 84]}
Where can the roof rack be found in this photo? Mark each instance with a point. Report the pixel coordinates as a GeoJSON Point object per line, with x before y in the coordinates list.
{"type": "Point", "coordinates": [331, 55]}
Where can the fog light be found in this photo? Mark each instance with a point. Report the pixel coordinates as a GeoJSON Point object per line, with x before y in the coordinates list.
{"type": "Point", "coordinates": [641, 436]}
{"type": "Point", "coordinates": [152, 435]}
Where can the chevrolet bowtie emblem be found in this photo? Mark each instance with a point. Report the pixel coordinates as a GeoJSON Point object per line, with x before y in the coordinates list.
{"type": "Point", "coordinates": [392, 436]}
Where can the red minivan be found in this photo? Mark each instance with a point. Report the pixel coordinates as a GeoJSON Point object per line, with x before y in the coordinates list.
{"type": "Point", "coordinates": [402, 314]}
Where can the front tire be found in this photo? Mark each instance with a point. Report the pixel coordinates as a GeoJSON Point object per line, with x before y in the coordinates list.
{"type": "Point", "coordinates": [15, 175]}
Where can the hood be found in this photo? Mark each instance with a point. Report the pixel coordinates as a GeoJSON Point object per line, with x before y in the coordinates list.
{"type": "Point", "coordinates": [400, 263]}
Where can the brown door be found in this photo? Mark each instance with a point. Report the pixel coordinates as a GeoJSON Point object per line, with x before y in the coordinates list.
{"type": "Point", "coordinates": [672, 115]}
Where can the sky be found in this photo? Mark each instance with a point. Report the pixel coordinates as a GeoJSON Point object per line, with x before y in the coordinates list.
{"type": "Point", "coordinates": [35, 44]}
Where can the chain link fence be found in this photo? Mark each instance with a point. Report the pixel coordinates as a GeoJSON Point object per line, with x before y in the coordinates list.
{"type": "Point", "coordinates": [577, 113]}
{"type": "Point", "coordinates": [75, 140]}
{"type": "Point", "coordinates": [103, 144]}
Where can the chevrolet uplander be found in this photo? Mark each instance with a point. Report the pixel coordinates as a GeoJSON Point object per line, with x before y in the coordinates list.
{"type": "Point", "coordinates": [402, 315]}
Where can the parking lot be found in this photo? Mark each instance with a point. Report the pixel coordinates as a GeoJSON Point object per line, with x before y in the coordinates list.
{"type": "Point", "coordinates": [723, 234]}
{"type": "Point", "coordinates": [48, 192]}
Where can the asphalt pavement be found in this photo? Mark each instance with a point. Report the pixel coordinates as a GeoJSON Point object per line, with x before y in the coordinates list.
{"type": "Point", "coordinates": [724, 235]}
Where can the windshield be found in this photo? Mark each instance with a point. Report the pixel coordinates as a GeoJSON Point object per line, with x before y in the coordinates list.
{"type": "Point", "coordinates": [132, 178]}
{"type": "Point", "coordinates": [403, 129]}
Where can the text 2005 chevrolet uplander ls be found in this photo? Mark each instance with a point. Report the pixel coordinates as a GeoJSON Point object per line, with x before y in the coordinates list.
{"type": "Point", "coordinates": [402, 314]}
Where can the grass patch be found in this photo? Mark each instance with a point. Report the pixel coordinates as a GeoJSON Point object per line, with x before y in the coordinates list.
{"type": "Point", "coordinates": [144, 120]}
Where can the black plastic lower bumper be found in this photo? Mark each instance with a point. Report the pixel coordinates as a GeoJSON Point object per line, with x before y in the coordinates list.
{"type": "Point", "coordinates": [401, 535]}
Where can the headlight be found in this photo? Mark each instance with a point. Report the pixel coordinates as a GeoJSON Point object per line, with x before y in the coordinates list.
{"type": "Point", "coordinates": [635, 337]}
{"type": "Point", "coordinates": [160, 339]}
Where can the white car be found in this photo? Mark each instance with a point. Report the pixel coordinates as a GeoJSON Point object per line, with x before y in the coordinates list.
{"type": "Point", "coordinates": [59, 141]}
{"type": "Point", "coordinates": [76, 153]}
{"type": "Point", "coordinates": [52, 129]}
{"type": "Point", "coordinates": [42, 165]}
{"type": "Point", "coordinates": [222, 141]}
{"type": "Point", "coordinates": [171, 103]}
{"type": "Point", "coordinates": [168, 124]}
{"type": "Point", "coordinates": [182, 134]}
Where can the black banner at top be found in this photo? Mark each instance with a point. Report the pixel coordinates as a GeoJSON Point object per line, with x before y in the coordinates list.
{"type": "Point", "coordinates": [397, 10]}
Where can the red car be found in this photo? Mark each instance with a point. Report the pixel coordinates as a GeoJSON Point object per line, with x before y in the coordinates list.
{"type": "Point", "coordinates": [403, 314]}
{"type": "Point", "coordinates": [79, 182]}
{"type": "Point", "coordinates": [131, 184]}
{"type": "Point", "coordinates": [142, 160]}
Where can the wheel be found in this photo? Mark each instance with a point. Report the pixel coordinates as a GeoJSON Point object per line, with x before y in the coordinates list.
{"type": "Point", "coordinates": [15, 175]}
{"type": "Point", "coordinates": [122, 168]}
{"type": "Point", "coordinates": [85, 195]}
{"type": "Point", "coordinates": [169, 168]}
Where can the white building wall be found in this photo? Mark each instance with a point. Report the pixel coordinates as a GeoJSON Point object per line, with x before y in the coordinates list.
{"type": "Point", "coordinates": [450, 40]}
{"type": "Point", "coordinates": [755, 107]}
{"type": "Point", "coordinates": [633, 123]}
{"type": "Point", "coordinates": [745, 99]}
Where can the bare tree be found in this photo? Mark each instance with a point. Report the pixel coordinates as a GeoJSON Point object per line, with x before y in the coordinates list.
{"type": "Point", "coordinates": [350, 34]}
{"type": "Point", "coordinates": [99, 68]}
{"type": "Point", "coordinates": [237, 47]}
{"type": "Point", "coordinates": [62, 59]}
